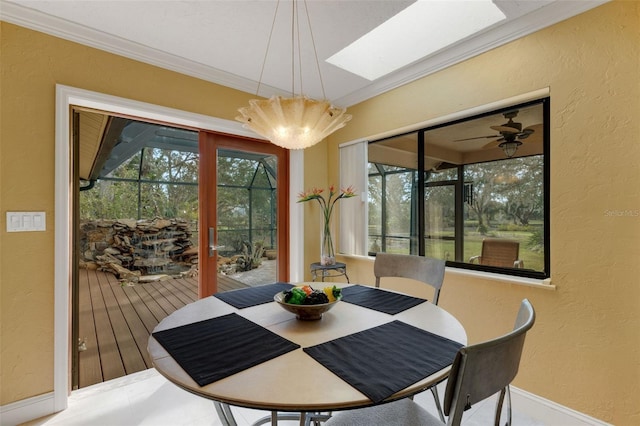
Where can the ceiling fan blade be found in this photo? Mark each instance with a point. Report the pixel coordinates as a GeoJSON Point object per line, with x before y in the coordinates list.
{"type": "Point", "coordinates": [505, 129]}
{"type": "Point", "coordinates": [493, 144]}
{"type": "Point", "coordinates": [521, 136]}
{"type": "Point", "coordinates": [477, 137]}
{"type": "Point", "coordinates": [525, 133]}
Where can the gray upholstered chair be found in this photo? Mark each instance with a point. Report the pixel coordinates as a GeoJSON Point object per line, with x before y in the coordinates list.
{"type": "Point", "coordinates": [478, 372]}
{"type": "Point", "coordinates": [424, 269]}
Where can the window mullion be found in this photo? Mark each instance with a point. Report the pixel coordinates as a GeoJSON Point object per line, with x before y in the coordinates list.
{"type": "Point", "coordinates": [459, 216]}
{"type": "Point", "coordinates": [421, 193]}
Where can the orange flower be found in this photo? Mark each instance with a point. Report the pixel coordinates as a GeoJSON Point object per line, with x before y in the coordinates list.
{"type": "Point", "coordinates": [327, 208]}
{"type": "Point", "coordinates": [327, 204]}
{"type": "Point", "coordinates": [349, 192]}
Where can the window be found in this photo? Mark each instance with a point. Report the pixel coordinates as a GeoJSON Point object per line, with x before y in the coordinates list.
{"type": "Point", "coordinates": [473, 192]}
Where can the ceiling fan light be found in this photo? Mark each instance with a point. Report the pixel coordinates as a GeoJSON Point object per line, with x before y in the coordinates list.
{"type": "Point", "coordinates": [510, 147]}
{"type": "Point", "coordinates": [293, 123]}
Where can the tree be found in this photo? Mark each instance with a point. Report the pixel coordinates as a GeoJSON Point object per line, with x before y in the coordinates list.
{"type": "Point", "coordinates": [482, 177]}
{"type": "Point", "coordinates": [165, 180]}
{"type": "Point", "coordinates": [164, 183]}
{"type": "Point", "coordinates": [514, 186]}
{"type": "Point", "coordinates": [399, 193]}
{"type": "Point", "coordinates": [523, 195]}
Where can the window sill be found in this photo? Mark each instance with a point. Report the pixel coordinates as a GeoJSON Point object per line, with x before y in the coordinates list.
{"type": "Point", "coordinates": [544, 284]}
{"type": "Point", "coordinates": [530, 282]}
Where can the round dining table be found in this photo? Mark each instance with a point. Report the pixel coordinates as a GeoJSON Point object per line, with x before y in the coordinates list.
{"type": "Point", "coordinates": [295, 381]}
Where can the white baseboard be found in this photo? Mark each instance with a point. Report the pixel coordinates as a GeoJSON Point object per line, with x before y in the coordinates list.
{"type": "Point", "coordinates": [27, 409]}
{"type": "Point", "coordinates": [549, 412]}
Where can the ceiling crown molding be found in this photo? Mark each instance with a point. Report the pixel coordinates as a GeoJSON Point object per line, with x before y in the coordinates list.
{"type": "Point", "coordinates": [51, 25]}
{"type": "Point", "coordinates": [549, 14]}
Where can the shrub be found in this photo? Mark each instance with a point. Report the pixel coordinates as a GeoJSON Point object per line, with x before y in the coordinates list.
{"type": "Point", "coordinates": [513, 227]}
{"type": "Point", "coordinates": [536, 240]}
{"type": "Point", "coordinates": [250, 258]}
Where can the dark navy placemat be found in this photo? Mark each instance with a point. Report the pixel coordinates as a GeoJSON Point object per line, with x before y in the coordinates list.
{"type": "Point", "coordinates": [247, 297]}
{"type": "Point", "coordinates": [386, 359]}
{"type": "Point", "coordinates": [379, 300]}
{"type": "Point", "coordinates": [213, 349]}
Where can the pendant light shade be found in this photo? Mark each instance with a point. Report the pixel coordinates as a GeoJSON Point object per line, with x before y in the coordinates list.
{"type": "Point", "coordinates": [293, 123]}
{"type": "Point", "coordinates": [296, 122]}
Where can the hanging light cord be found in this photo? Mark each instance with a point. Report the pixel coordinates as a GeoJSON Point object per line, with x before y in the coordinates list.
{"type": "Point", "coordinates": [266, 53]}
{"type": "Point", "coordinates": [315, 52]}
{"type": "Point", "coordinates": [295, 26]}
{"type": "Point", "coordinates": [295, 32]}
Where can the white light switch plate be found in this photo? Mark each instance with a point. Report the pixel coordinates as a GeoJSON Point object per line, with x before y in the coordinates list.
{"type": "Point", "coordinates": [26, 221]}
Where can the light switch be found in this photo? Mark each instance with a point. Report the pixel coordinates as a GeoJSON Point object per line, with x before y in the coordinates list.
{"type": "Point", "coordinates": [14, 222]}
{"type": "Point", "coordinates": [38, 222]}
{"type": "Point", "coordinates": [26, 221]}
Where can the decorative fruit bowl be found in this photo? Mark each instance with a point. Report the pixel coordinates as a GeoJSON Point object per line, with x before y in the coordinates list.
{"type": "Point", "coordinates": [309, 310]}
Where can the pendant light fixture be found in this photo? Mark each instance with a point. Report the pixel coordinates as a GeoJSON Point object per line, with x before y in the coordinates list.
{"type": "Point", "coordinates": [297, 122]}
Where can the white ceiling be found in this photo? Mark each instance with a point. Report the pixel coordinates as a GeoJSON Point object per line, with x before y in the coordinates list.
{"type": "Point", "coordinates": [224, 41]}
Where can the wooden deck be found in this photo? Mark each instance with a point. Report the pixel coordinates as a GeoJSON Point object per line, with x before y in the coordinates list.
{"type": "Point", "coordinates": [115, 321]}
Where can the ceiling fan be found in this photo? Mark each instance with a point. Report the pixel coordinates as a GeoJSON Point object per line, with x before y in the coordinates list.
{"type": "Point", "coordinates": [510, 135]}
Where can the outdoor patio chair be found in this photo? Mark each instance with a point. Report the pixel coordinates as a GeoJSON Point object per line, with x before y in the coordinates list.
{"type": "Point", "coordinates": [478, 372]}
{"type": "Point", "coordinates": [424, 269]}
{"type": "Point", "coordinates": [499, 252]}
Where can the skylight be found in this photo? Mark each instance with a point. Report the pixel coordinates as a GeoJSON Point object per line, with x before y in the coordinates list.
{"type": "Point", "coordinates": [419, 30]}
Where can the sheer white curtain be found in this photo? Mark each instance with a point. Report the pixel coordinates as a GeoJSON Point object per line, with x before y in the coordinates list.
{"type": "Point", "coordinates": [353, 211]}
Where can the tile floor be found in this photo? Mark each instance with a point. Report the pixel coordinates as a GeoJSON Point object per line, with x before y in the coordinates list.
{"type": "Point", "coordinates": [147, 398]}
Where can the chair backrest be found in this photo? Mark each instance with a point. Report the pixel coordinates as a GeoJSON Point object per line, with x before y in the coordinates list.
{"type": "Point", "coordinates": [425, 269]}
{"type": "Point", "coordinates": [487, 368]}
{"type": "Point", "coordinates": [499, 252]}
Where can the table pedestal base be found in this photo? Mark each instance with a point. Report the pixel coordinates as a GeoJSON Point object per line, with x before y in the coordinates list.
{"type": "Point", "coordinates": [227, 419]}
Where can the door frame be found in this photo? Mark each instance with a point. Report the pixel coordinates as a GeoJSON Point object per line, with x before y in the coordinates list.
{"type": "Point", "coordinates": [66, 97]}
{"type": "Point", "coordinates": [209, 143]}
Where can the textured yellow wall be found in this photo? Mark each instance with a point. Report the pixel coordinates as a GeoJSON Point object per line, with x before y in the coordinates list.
{"type": "Point", "coordinates": [31, 65]}
{"type": "Point", "coordinates": [315, 176]}
{"type": "Point", "coordinates": [584, 351]}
